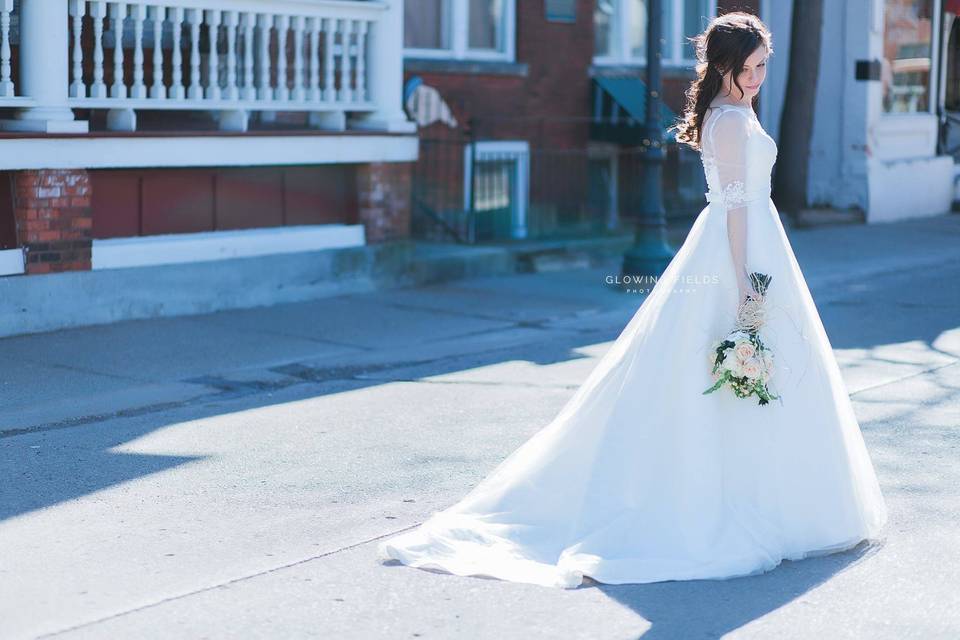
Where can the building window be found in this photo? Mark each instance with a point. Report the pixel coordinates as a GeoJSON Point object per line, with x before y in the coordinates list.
{"type": "Point", "coordinates": [620, 30]}
{"type": "Point", "coordinates": [497, 189]}
{"type": "Point", "coordinates": [907, 55]}
{"type": "Point", "coordinates": [459, 29]}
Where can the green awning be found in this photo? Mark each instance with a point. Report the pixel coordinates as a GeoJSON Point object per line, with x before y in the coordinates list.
{"type": "Point", "coordinates": [630, 93]}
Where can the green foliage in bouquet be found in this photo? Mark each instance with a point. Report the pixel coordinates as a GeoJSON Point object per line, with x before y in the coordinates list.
{"type": "Point", "coordinates": [726, 368]}
{"type": "Point", "coordinates": [741, 361]}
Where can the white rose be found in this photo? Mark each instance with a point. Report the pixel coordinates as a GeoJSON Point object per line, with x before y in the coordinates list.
{"type": "Point", "coordinates": [752, 368]}
{"type": "Point", "coordinates": [733, 365]}
{"type": "Point", "coordinates": [745, 350]}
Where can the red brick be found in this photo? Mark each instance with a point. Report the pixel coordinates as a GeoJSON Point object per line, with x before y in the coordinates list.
{"type": "Point", "coordinates": [384, 200]}
{"type": "Point", "coordinates": [53, 216]}
{"type": "Point", "coordinates": [75, 179]}
{"type": "Point", "coordinates": [26, 201]}
{"type": "Point", "coordinates": [81, 189]}
{"type": "Point", "coordinates": [51, 178]}
{"type": "Point", "coordinates": [48, 192]}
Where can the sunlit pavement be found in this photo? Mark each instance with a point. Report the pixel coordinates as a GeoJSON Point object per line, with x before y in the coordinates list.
{"type": "Point", "coordinates": [228, 476]}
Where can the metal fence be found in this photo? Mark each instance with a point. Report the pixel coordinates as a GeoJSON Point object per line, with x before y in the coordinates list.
{"type": "Point", "coordinates": [508, 179]}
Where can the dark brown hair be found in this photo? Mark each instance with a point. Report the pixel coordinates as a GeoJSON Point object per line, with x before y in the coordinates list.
{"type": "Point", "coordinates": [725, 44]}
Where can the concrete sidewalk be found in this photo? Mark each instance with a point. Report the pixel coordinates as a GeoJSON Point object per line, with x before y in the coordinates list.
{"type": "Point", "coordinates": [87, 374]}
{"type": "Point", "coordinates": [228, 475]}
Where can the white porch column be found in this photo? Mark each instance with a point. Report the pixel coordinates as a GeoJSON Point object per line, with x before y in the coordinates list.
{"type": "Point", "coordinates": [385, 66]}
{"type": "Point", "coordinates": [44, 70]}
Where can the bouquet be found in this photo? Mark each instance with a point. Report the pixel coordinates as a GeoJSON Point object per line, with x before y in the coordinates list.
{"type": "Point", "coordinates": [741, 360]}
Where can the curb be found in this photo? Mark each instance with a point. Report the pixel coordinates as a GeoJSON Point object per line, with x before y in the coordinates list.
{"type": "Point", "coordinates": [51, 302]}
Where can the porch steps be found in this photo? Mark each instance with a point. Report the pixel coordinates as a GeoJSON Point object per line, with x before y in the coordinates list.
{"type": "Point", "coordinates": [819, 217]}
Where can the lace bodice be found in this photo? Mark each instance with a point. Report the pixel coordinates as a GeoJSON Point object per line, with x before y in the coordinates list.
{"type": "Point", "coordinates": [738, 156]}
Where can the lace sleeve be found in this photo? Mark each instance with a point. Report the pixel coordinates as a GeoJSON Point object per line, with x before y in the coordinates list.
{"type": "Point", "coordinates": [730, 135]}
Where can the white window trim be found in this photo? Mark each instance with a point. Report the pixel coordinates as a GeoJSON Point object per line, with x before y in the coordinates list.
{"type": "Point", "coordinates": [495, 150]}
{"type": "Point", "coordinates": [621, 39]}
{"type": "Point", "coordinates": [456, 14]}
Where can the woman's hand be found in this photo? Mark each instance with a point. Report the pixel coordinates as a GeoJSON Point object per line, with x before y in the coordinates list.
{"type": "Point", "coordinates": [745, 287]}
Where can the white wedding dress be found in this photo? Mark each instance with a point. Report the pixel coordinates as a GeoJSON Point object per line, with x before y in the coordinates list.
{"type": "Point", "coordinates": [642, 478]}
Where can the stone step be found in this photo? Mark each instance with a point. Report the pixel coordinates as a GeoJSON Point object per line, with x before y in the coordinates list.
{"type": "Point", "coordinates": [818, 217]}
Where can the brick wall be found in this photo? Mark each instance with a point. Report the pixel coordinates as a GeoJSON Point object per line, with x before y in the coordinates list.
{"type": "Point", "coordinates": [556, 83]}
{"type": "Point", "coordinates": [53, 219]}
{"type": "Point", "coordinates": [511, 99]}
{"type": "Point", "coordinates": [149, 201]}
{"type": "Point", "coordinates": [383, 200]}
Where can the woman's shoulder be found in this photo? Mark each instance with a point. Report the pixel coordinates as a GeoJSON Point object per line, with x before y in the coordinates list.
{"type": "Point", "coordinates": [732, 116]}
{"type": "Point", "coordinates": [725, 126]}
{"type": "Point", "coordinates": [733, 105]}
{"type": "Point", "coordinates": [722, 107]}
{"type": "Point", "coordinates": [730, 108]}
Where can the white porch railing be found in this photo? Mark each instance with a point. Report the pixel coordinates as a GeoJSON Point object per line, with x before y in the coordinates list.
{"type": "Point", "coordinates": [325, 57]}
{"type": "Point", "coordinates": [8, 94]}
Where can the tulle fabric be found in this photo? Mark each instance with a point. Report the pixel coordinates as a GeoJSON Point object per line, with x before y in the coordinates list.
{"type": "Point", "coordinates": [641, 478]}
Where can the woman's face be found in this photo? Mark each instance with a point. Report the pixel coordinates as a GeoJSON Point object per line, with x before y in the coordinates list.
{"type": "Point", "coordinates": [752, 76]}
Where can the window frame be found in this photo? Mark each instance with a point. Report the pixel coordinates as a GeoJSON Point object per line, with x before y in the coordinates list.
{"type": "Point", "coordinates": [621, 32]}
{"type": "Point", "coordinates": [456, 17]}
{"type": "Point", "coordinates": [518, 150]}
{"type": "Point", "coordinates": [934, 87]}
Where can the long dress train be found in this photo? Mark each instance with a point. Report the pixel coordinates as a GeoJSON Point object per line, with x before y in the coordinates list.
{"type": "Point", "coordinates": [642, 478]}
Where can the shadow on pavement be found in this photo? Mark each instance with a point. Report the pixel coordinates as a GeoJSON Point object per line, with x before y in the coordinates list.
{"type": "Point", "coordinates": [712, 608]}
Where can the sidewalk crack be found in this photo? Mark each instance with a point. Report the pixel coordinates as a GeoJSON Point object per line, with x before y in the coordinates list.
{"type": "Point", "coordinates": [221, 585]}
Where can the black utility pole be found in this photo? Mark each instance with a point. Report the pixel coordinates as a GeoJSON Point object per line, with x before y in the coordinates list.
{"type": "Point", "coordinates": [650, 252]}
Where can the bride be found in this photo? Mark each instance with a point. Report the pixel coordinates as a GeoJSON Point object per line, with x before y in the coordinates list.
{"type": "Point", "coordinates": [642, 477]}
